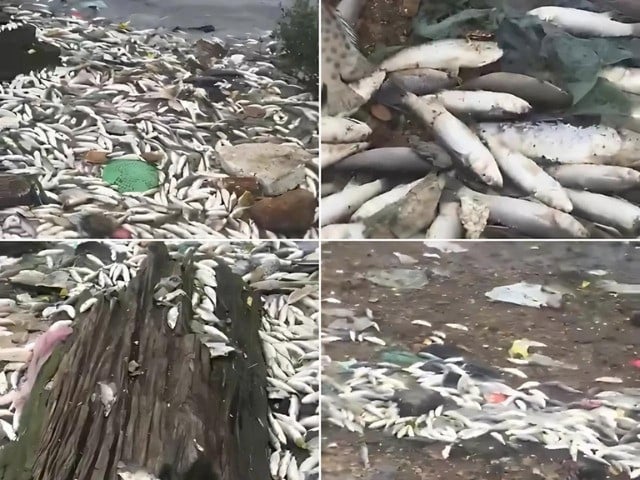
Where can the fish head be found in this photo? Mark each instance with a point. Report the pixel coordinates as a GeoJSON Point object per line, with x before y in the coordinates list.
{"type": "Point", "coordinates": [546, 14]}
{"type": "Point", "coordinates": [487, 169]}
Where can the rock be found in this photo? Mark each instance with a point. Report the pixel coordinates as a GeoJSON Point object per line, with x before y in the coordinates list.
{"type": "Point", "coordinates": [381, 112]}
{"type": "Point", "coordinates": [239, 185]}
{"type": "Point", "coordinates": [73, 197]}
{"type": "Point", "coordinates": [16, 190]}
{"type": "Point", "coordinates": [206, 50]}
{"type": "Point", "coordinates": [24, 53]}
{"type": "Point", "coordinates": [409, 8]}
{"type": "Point", "coordinates": [153, 157]}
{"type": "Point", "coordinates": [278, 168]}
{"type": "Point", "coordinates": [95, 157]}
{"type": "Point", "coordinates": [98, 226]}
{"type": "Point", "coordinates": [292, 213]}
{"type": "Point", "coordinates": [254, 111]}
{"type": "Point", "coordinates": [416, 403]}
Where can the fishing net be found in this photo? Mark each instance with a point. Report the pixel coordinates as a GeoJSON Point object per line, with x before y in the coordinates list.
{"type": "Point", "coordinates": [131, 175]}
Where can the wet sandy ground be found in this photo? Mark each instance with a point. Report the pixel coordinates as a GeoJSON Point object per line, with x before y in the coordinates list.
{"type": "Point", "coordinates": [592, 330]}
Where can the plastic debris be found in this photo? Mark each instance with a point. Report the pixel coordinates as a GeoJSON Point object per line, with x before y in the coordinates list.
{"type": "Point", "coordinates": [520, 348]}
{"type": "Point", "coordinates": [401, 278]}
{"type": "Point", "coordinates": [131, 174]}
{"type": "Point", "coordinates": [526, 294]}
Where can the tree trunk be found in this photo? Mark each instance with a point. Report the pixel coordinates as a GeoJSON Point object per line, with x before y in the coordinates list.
{"type": "Point", "coordinates": [174, 404]}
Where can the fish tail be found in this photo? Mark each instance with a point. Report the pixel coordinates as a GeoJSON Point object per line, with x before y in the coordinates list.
{"type": "Point", "coordinates": [635, 29]}
{"type": "Point", "coordinates": [339, 98]}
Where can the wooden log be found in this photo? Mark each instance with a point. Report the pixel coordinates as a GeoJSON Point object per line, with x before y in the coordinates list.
{"type": "Point", "coordinates": [178, 413]}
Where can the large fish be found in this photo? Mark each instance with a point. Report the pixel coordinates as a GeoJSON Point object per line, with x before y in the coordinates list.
{"type": "Point", "coordinates": [342, 63]}
{"type": "Point", "coordinates": [584, 22]}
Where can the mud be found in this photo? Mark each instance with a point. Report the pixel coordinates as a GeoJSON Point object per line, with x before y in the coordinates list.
{"type": "Point", "coordinates": [592, 330]}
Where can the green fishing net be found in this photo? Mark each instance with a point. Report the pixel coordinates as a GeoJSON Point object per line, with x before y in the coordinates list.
{"type": "Point", "coordinates": [131, 174]}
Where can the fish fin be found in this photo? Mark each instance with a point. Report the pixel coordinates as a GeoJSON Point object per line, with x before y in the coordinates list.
{"type": "Point", "coordinates": [358, 66]}
{"type": "Point", "coordinates": [608, 15]}
{"type": "Point", "coordinates": [347, 29]}
{"type": "Point", "coordinates": [339, 98]}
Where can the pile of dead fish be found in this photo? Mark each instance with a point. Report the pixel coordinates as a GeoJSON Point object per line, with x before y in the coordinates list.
{"type": "Point", "coordinates": [285, 273]}
{"type": "Point", "coordinates": [163, 104]}
{"type": "Point", "coordinates": [445, 398]}
{"type": "Point", "coordinates": [491, 170]}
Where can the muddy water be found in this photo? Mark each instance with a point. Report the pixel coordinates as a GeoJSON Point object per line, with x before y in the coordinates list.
{"type": "Point", "coordinates": [592, 330]}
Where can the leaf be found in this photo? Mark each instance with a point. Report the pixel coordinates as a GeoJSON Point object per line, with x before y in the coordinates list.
{"type": "Point", "coordinates": [451, 26]}
{"type": "Point", "coordinates": [578, 61]}
{"type": "Point", "coordinates": [521, 39]}
{"type": "Point", "coordinates": [603, 99]}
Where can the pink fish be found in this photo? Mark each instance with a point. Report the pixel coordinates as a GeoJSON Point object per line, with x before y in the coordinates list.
{"type": "Point", "coordinates": [41, 349]}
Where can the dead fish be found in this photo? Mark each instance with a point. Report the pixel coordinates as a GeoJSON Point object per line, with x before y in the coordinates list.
{"type": "Point", "coordinates": [596, 178]}
{"type": "Point", "coordinates": [343, 130]}
{"type": "Point", "coordinates": [341, 205]}
{"type": "Point", "coordinates": [342, 62]}
{"type": "Point", "coordinates": [612, 211]}
{"type": "Point", "coordinates": [626, 79]}
{"type": "Point", "coordinates": [457, 138]}
{"type": "Point", "coordinates": [388, 159]}
{"type": "Point", "coordinates": [584, 22]}
{"type": "Point", "coordinates": [556, 141]}
{"type": "Point", "coordinates": [537, 92]}
{"type": "Point", "coordinates": [532, 219]}
{"type": "Point", "coordinates": [333, 153]}
{"type": "Point", "coordinates": [449, 54]}
{"type": "Point", "coordinates": [531, 178]}
{"type": "Point", "coordinates": [447, 223]}
{"type": "Point", "coordinates": [480, 103]}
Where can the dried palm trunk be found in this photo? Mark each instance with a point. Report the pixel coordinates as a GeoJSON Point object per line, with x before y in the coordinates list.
{"type": "Point", "coordinates": [174, 404]}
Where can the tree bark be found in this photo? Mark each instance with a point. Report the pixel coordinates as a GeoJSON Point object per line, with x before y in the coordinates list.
{"type": "Point", "coordinates": [175, 405]}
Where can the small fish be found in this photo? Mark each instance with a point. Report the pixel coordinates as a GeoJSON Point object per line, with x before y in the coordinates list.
{"type": "Point", "coordinates": [584, 22]}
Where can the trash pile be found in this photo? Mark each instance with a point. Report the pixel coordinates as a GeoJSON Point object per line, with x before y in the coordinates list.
{"type": "Point", "coordinates": [61, 281]}
{"type": "Point", "coordinates": [145, 134]}
{"type": "Point", "coordinates": [443, 396]}
{"type": "Point", "coordinates": [520, 122]}
{"type": "Point", "coordinates": [440, 372]}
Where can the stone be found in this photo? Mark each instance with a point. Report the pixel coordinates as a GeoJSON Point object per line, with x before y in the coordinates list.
{"type": "Point", "coordinates": [292, 213]}
{"type": "Point", "coordinates": [278, 168]}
